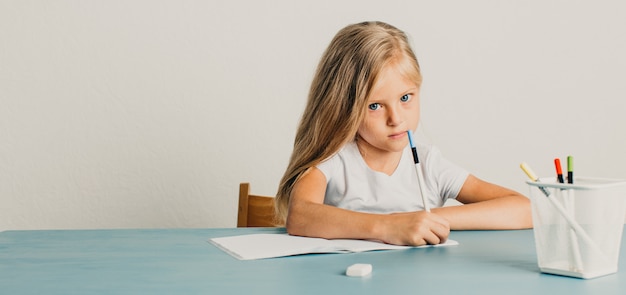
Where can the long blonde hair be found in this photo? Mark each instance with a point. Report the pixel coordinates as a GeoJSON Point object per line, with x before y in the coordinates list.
{"type": "Point", "coordinates": [339, 93]}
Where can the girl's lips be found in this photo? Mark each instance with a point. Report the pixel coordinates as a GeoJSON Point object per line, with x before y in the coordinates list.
{"type": "Point", "coordinates": [398, 135]}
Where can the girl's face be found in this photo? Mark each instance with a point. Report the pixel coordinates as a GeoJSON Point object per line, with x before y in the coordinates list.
{"type": "Point", "coordinates": [392, 109]}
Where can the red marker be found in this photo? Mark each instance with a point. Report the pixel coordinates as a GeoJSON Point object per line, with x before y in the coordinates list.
{"type": "Point", "coordinates": [559, 172]}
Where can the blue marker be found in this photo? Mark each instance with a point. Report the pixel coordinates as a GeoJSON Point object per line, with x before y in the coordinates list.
{"type": "Point", "coordinates": [418, 171]}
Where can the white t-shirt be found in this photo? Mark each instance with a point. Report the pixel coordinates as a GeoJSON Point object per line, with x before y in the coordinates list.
{"type": "Point", "coordinates": [352, 185]}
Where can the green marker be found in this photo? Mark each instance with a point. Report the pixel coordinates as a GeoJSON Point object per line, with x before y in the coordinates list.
{"type": "Point", "coordinates": [570, 169]}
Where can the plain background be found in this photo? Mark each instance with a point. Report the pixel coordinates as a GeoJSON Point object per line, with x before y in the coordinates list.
{"type": "Point", "coordinates": [148, 113]}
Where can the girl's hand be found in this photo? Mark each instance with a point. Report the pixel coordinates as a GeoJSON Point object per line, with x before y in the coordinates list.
{"type": "Point", "coordinates": [416, 229]}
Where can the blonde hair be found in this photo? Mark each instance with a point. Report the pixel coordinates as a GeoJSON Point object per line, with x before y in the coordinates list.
{"type": "Point", "coordinates": [339, 94]}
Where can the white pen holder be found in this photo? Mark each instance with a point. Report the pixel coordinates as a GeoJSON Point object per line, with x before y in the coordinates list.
{"type": "Point", "coordinates": [579, 230]}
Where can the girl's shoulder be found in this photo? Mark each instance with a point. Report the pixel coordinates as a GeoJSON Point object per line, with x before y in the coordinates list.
{"type": "Point", "coordinates": [348, 155]}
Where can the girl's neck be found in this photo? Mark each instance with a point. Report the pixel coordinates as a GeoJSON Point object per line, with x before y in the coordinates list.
{"type": "Point", "coordinates": [377, 159]}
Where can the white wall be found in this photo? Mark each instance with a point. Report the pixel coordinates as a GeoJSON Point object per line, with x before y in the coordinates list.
{"type": "Point", "coordinates": [144, 113]}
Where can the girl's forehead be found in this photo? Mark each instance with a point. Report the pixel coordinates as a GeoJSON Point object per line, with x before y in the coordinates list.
{"type": "Point", "coordinates": [398, 67]}
{"type": "Point", "coordinates": [392, 82]}
{"type": "Point", "coordinates": [406, 67]}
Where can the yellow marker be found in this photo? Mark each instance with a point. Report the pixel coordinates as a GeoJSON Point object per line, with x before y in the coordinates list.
{"type": "Point", "coordinates": [533, 177]}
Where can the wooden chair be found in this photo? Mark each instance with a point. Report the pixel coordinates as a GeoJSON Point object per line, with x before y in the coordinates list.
{"type": "Point", "coordinates": [254, 210]}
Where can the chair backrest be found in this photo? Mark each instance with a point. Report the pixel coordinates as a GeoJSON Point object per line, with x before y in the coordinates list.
{"type": "Point", "coordinates": [254, 210]}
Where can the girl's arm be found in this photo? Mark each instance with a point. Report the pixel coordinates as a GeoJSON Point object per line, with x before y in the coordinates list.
{"type": "Point", "coordinates": [309, 216]}
{"type": "Point", "coordinates": [487, 206]}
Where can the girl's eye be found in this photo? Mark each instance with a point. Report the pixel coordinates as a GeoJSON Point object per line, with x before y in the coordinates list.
{"type": "Point", "coordinates": [374, 106]}
{"type": "Point", "coordinates": [405, 98]}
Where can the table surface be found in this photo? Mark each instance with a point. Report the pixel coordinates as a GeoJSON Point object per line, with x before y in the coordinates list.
{"type": "Point", "coordinates": [182, 261]}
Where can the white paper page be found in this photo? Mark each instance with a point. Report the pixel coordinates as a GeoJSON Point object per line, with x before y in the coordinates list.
{"type": "Point", "coordinates": [259, 246]}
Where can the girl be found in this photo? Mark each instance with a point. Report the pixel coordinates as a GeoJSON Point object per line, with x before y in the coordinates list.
{"type": "Point", "coordinates": [351, 174]}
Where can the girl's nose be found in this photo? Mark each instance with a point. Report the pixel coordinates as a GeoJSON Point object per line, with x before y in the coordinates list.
{"type": "Point", "coordinates": [394, 117]}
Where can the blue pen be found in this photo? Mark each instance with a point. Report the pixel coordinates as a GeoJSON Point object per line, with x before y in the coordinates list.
{"type": "Point", "coordinates": [418, 171]}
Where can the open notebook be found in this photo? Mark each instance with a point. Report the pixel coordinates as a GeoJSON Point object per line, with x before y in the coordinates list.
{"type": "Point", "coordinates": [259, 246]}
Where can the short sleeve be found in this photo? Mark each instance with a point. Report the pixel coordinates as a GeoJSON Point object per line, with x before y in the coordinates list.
{"type": "Point", "coordinates": [446, 177]}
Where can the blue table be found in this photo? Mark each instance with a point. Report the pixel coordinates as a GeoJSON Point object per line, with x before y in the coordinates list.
{"type": "Point", "coordinates": [181, 261]}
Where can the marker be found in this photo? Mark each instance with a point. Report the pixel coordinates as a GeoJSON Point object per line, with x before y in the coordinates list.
{"type": "Point", "coordinates": [534, 178]}
{"type": "Point", "coordinates": [559, 172]}
{"type": "Point", "coordinates": [570, 169]}
{"type": "Point", "coordinates": [418, 171]}
{"type": "Point", "coordinates": [575, 251]}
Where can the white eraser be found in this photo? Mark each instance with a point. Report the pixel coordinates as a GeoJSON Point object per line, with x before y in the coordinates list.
{"type": "Point", "coordinates": [359, 270]}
